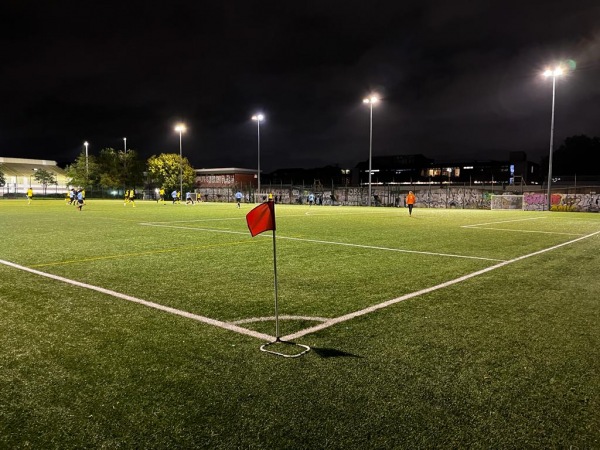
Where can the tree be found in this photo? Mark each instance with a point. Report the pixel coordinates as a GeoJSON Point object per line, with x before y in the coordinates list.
{"type": "Point", "coordinates": [83, 172]}
{"type": "Point", "coordinates": [43, 177]}
{"type": "Point", "coordinates": [110, 169]}
{"type": "Point", "coordinates": [119, 169]}
{"type": "Point", "coordinates": [578, 155]}
{"type": "Point", "coordinates": [2, 178]}
{"type": "Point", "coordinates": [164, 171]}
{"type": "Point", "coordinates": [133, 168]}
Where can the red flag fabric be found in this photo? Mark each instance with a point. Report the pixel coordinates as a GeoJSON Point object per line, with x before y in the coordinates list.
{"type": "Point", "coordinates": [261, 218]}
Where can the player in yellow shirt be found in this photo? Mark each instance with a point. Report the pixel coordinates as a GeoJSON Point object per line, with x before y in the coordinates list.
{"type": "Point", "coordinates": [131, 198]}
{"type": "Point", "coordinates": [29, 195]}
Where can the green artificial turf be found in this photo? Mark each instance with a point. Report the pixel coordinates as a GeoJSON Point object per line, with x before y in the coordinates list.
{"type": "Point", "coordinates": [506, 359]}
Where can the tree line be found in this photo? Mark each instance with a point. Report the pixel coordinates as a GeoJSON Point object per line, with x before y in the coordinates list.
{"type": "Point", "coordinates": [577, 155]}
{"type": "Point", "coordinates": [119, 169]}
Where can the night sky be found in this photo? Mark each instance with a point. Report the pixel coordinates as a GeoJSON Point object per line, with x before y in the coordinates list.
{"type": "Point", "coordinates": [458, 79]}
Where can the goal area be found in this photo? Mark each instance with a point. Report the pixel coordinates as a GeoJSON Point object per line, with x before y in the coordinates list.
{"type": "Point", "coordinates": [507, 202]}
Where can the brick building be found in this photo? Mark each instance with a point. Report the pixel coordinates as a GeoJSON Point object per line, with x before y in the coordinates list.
{"type": "Point", "coordinates": [227, 177]}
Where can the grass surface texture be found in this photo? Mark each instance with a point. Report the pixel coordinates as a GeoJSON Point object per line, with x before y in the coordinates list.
{"type": "Point", "coordinates": [141, 327]}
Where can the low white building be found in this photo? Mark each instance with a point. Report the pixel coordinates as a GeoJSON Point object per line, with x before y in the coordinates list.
{"type": "Point", "coordinates": [19, 175]}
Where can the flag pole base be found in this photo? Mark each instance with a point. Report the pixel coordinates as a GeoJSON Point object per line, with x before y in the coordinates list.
{"type": "Point", "coordinates": [305, 348]}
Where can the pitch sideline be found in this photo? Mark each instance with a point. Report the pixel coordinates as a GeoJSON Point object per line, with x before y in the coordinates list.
{"type": "Point", "coordinates": [178, 312]}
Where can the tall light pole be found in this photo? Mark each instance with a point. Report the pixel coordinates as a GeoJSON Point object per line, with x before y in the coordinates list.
{"type": "Point", "coordinates": [258, 118]}
{"type": "Point", "coordinates": [86, 143]}
{"type": "Point", "coordinates": [125, 156]}
{"type": "Point", "coordinates": [556, 72]}
{"type": "Point", "coordinates": [370, 101]}
{"type": "Point", "coordinates": [180, 128]}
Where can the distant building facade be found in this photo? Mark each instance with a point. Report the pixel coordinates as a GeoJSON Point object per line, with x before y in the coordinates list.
{"type": "Point", "coordinates": [233, 177]}
{"type": "Point", "coordinates": [19, 175]}
{"type": "Point", "coordinates": [321, 176]}
{"type": "Point", "coordinates": [403, 169]}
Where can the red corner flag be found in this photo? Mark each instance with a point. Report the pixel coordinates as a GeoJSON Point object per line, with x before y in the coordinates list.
{"type": "Point", "coordinates": [261, 218]}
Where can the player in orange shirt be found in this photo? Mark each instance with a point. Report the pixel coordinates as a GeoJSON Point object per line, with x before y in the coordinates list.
{"type": "Point", "coordinates": [410, 201]}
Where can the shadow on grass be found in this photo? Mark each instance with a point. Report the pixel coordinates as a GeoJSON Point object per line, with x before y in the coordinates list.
{"type": "Point", "coordinates": [333, 353]}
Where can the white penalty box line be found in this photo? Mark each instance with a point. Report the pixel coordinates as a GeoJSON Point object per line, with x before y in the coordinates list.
{"type": "Point", "coordinates": [483, 226]}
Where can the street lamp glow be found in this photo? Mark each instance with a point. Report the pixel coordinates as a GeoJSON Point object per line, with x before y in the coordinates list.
{"type": "Point", "coordinates": [180, 128]}
{"type": "Point", "coordinates": [556, 72]}
{"type": "Point", "coordinates": [258, 118]}
{"type": "Point", "coordinates": [371, 100]}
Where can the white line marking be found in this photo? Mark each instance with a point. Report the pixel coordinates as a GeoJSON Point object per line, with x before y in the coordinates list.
{"type": "Point", "coordinates": [387, 248]}
{"type": "Point", "coordinates": [207, 320]}
{"type": "Point", "coordinates": [194, 220]}
{"type": "Point", "coordinates": [524, 231]}
{"type": "Point", "coordinates": [272, 318]}
{"type": "Point", "coordinates": [371, 247]}
{"type": "Point", "coordinates": [480, 226]}
{"type": "Point", "coordinates": [216, 230]}
{"type": "Point", "coordinates": [328, 323]}
{"type": "Point", "coordinates": [393, 301]}
{"type": "Point", "coordinates": [502, 221]}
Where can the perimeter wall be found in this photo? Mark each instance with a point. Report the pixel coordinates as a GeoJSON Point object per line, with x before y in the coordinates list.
{"type": "Point", "coordinates": [427, 197]}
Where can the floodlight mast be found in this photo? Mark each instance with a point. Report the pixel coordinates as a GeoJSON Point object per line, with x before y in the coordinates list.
{"type": "Point", "coordinates": [125, 155]}
{"type": "Point", "coordinates": [554, 73]}
{"type": "Point", "coordinates": [371, 100]}
{"type": "Point", "coordinates": [87, 170]}
{"type": "Point", "coordinates": [180, 128]}
{"type": "Point", "coordinates": [258, 118]}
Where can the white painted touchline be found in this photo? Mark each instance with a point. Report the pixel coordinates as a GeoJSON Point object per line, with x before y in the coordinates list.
{"type": "Point", "coordinates": [393, 301]}
{"type": "Point", "coordinates": [207, 320]}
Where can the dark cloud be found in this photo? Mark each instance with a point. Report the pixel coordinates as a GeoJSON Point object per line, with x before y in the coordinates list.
{"type": "Point", "coordinates": [458, 79]}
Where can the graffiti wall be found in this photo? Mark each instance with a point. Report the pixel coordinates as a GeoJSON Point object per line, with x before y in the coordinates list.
{"type": "Point", "coordinates": [427, 197]}
{"type": "Point", "coordinates": [562, 202]}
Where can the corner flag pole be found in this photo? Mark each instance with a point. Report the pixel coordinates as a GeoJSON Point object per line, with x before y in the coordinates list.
{"type": "Point", "coordinates": [260, 219]}
{"type": "Point", "coordinates": [275, 284]}
{"type": "Point", "coordinates": [265, 347]}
